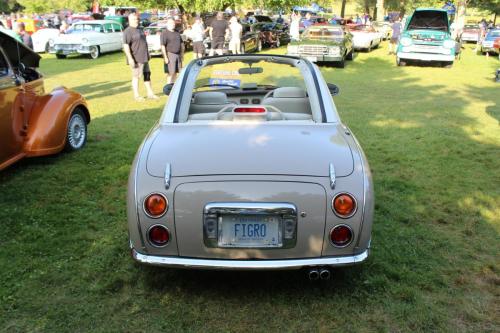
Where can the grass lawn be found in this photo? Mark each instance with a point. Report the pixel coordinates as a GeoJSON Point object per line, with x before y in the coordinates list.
{"type": "Point", "coordinates": [432, 136]}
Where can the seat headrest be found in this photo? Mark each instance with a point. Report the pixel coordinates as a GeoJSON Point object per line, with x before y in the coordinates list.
{"type": "Point", "coordinates": [210, 97]}
{"type": "Point", "coordinates": [289, 92]}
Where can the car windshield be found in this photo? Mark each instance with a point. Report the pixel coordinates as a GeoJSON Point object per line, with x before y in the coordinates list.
{"type": "Point", "coordinates": [78, 28]}
{"type": "Point", "coordinates": [259, 87]}
{"type": "Point", "coordinates": [433, 20]}
{"type": "Point", "coordinates": [232, 74]}
{"type": "Point", "coordinates": [323, 33]}
{"type": "Point", "coordinates": [153, 30]}
{"type": "Point", "coordinates": [361, 28]}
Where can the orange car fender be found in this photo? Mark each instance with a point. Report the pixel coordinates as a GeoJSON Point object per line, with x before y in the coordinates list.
{"type": "Point", "coordinates": [49, 121]}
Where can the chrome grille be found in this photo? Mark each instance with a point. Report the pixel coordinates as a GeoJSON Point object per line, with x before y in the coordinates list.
{"type": "Point", "coordinates": [67, 46]}
{"type": "Point", "coordinates": [313, 49]}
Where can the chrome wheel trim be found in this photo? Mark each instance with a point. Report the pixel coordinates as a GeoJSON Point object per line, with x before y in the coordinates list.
{"type": "Point", "coordinates": [76, 131]}
{"type": "Point", "coordinates": [94, 52]}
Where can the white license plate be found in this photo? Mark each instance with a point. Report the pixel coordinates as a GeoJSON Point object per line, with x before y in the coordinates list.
{"type": "Point", "coordinates": [250, 231]}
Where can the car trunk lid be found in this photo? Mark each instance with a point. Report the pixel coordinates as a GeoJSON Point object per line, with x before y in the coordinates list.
{"type": "Point", "coordinates": [250, 149]}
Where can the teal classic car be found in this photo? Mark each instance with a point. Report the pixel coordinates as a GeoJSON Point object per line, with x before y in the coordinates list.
{"type": "Point", "coordinates": [426, 37]}
{"type": "Point", "coordinates": [323, 43]}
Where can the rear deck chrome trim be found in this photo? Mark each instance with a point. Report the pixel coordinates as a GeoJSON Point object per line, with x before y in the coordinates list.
{"type": "Point", "coordinates": [228, 264]}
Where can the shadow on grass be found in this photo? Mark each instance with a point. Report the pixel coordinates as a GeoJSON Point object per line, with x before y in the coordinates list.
{"type": "Point", "coordinates": [103, 89]}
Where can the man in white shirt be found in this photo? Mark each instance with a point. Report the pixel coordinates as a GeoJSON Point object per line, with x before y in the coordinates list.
{"type": "Point", "coordinates": [236, 31]}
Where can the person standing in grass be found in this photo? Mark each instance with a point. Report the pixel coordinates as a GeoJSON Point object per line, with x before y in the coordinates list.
{"type": "Point", "coordinates": [198, 35]}
{"type": "Point", "coordinates": [236, 30]}
{"type": "Point", "coordinates": [24, 35]}
{"type": "Point", "coordinates": [218, 31]}
{"type": "Point", "coordinates": [136, 51]}
{"type": "Point", "coordinates": [396, 33]}
{"type": "Point", "coordinates": [172, 49]}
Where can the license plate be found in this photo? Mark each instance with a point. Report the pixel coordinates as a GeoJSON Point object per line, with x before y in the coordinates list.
{"type": "Point", "coordinates": [250, 231]}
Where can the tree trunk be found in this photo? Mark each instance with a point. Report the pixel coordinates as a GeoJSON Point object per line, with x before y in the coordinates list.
{"type": "Point", "coordinates": [342, 10]}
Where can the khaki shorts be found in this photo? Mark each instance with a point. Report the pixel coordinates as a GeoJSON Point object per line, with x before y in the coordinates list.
{"type": "Point", "coordinates": [140, 69]}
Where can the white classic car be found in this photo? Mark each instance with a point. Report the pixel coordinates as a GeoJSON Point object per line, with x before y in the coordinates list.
{"type": "Point", "coordinates": [385, 28]}
{"type": "Point", "coordinates": [250, 167]}
{"type": "Point", "coordinates": [153, 35]}
{"type": "Point", "coordinates": [88, 37]}
{"type": "Point", "coordinates": [41, 39]}
{"type": "Point", "coordinates": [365, 37]}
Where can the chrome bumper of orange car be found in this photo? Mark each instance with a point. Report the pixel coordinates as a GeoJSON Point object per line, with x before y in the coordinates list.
{"type": "Point", "coordinates": [195, 263]}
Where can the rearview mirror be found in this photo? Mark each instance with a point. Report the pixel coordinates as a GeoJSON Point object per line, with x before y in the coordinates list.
{"type": "Point", "coordinates": [168, 88]}
{"type": "Point", "coordinates": [250, 70]}
{"type": "Point", "coordinates": [334, 89]}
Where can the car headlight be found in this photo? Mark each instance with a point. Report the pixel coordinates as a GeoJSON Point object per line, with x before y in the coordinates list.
{"type": "Point", "coordinates": [449, 44]}
{"type": "Point", "coordinates": [333, 51]}
{"type": "Point", "coordinates": [85, 41]}
{"type": "Point", "coordinates": [406, 41]}
{"type": "Point", "coordinates": [51, 42]}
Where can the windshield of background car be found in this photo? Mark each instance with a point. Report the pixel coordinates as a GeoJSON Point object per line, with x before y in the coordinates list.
{"type": "Point", "coordinates": [154, 30]}
{"type": "Point", "coordinates": [261, 18]}
{"type": "Point", "coordinates": [224, 75]}
{"type": "Point", "coordinates": [85, 27]}
{"type": "Point", "coordinates": [432, 20]}
{"type": "Point", "coordinates": [361, 28]}
{"type": "Point", "coordinates": [323, 33]}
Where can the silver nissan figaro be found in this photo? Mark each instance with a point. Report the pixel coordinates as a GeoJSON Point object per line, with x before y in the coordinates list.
{"type": "Point", "coordinates": [250, 168]}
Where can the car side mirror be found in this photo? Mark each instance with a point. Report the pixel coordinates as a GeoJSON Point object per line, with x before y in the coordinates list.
{"type": "Point", "coordinates": [334, 89]}
{"type": "Point", "coordinates": [168, 88]}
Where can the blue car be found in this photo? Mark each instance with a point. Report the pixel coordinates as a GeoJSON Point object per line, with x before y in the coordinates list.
{"type": "Point", "coordinates": [488, 44]}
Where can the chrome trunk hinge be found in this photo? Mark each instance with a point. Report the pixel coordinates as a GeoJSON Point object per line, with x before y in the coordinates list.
{"type": "Point", "coordinates": [168, 174]}
{"type": "Point", "coordinates": [332, 176]}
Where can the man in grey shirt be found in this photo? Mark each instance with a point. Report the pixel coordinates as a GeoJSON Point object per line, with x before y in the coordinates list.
{"type": "Point", "coordinates": [396, 33]}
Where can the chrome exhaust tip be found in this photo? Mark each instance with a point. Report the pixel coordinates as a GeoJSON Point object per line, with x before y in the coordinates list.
{"type": "Point", "coordinates": [313, 274]}
{"type": "Point", "coordinates": [324, 274]}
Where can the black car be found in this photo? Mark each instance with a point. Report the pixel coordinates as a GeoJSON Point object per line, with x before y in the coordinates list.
{"type": "Point", "coordinates": [250, 41]}
{"type": "Point", "coordinates": [272, 34]}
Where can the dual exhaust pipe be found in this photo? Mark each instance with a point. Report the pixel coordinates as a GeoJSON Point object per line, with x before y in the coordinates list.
{"type": "Point", "coordinates": [316, 274]}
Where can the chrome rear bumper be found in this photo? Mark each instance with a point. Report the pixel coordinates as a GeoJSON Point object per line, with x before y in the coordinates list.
{"type": "Point", "coordinates": [195, 263]}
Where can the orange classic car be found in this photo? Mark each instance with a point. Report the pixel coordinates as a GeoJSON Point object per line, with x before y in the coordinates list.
{"type": "Point", "coordinates": [32, 122]}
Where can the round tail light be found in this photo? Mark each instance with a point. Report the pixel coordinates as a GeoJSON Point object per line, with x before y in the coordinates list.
{"type": "Point", "coordinates": [341, 235]}
{"type": "Point", "coordinates": [158, 235]}
{"type": "Point", "coordinates": [155, 205]}
{"type": "Point", "coordinates": [344, 205]}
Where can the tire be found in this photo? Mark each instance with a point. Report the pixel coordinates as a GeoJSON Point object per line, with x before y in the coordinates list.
{"type": "Point", "coordinates": [448, 64]}
{"type": "Point", "coordinates": [60, 56]}
{"type": "Point", "coordinates": [94, 52]}
{"type": "Point", "coordinates": [369, 49]}
{"type": "Point", "coordinates": [76, 131]}
{"type": "Point", "coordinates": [400, 63]}
{"type": "Point", "coordinates": [47, 47]}
{"type": "Point", "coordinates": [350, 55]}
{"type": "Point", "coordinates": [341, 64]}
